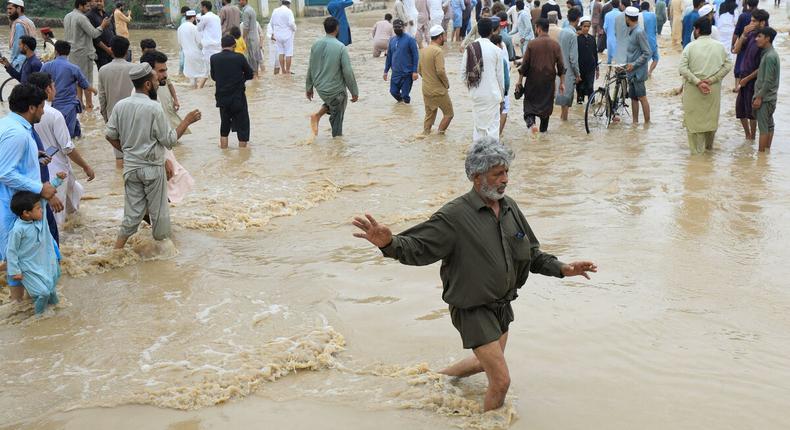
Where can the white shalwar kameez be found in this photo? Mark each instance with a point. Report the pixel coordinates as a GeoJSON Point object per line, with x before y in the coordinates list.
{"type": "Point", "coordinates": [488, 95]}
{"type": "Point", "coordinates": [53, 131]}
{"type": "Point", "coordinates": [411, 10]}
{"type": "Point", "coordinates": [189, 39]}
{"type": "Point", "coordinates": [210, 29]}
{"type": "Point", "coordinates": [283, 28]}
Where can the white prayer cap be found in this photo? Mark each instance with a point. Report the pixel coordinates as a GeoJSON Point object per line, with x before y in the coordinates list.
{"type": "Point", "coordinates": [436, 30]}
{"type": "Point", "coordinates": [191, 13]}
{"type": "Point", "coordinates": [140, 71]}
{"type": "Point", "coordinates": [631, 11]}
{"type": "Point", "coordinates": [585, 18]}
{"type": "Point", "coordinates": [19, 3]}
{"type": "Point", "coordinates": [704, 10]}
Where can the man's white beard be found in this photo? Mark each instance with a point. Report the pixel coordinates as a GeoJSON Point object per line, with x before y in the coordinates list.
{"type": "Point", "coordinates": [490, 192]}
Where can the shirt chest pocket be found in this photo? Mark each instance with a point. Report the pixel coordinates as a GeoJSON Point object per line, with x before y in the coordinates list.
{"type": "Point", "coordinates": [520, 248]}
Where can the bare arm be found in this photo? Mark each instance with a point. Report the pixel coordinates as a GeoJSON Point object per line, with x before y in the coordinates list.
{"type": "Point", "coordinates": [75, 156]}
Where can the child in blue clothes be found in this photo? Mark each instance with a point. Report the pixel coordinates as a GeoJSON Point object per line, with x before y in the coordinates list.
{"type": "Point", "coordinates": [33, 256]}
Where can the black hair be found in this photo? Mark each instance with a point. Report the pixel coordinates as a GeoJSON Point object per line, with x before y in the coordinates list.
{"type": "Point", "coordinates": [520, 5]}
{"type": "Point", "coordinates": [40, 80]}
{"type": "Point", "coordinates": [119, 46]}
{"type": "Point", "coordinates": [155, 57]}
{"type": "Point", "coordinates": [485, 27]}
{"type": "Point", "coordinates": [79, 3]}
{"type": "Point", "coordinates": [184, 9]}
{"type": "Point", "coordinates": [703, 25]}
{"type": "Point", "coordinates": [23, 96]}
{"type": "Point", "coordinates": [753, 4]}
{"type": "Point", "coordinates": [768, 32]}
{"type": "Point", "coordinates": [495, 39]}
{"type": "Point", "coordinates": [388, 17]}
{"type": "Point", "coordinates": [30, 42]}
{"type": "Point", "coordinates": [119, 5]}
{"type": "Point", "coordinates": [697, 3]}
{"type": "Point", "coordinates": [616, 4]}
{"type": "Point", "coordinates": [235, 32]}
{"type": "Point", "coordinates": [644, 6]}
{"type": "Point", "coordinates": [728, 7]}
{"type": "Point", "coordinates": [226, 42]}
{"type": "Point", "coordinates": [626, 3]}
{"type": "Point", "coordinates": [147, 44]}
{"type": "Point", "coordinates": [537, 3]}
{"type": "Point", "coordinates": [331, 23]}
{"type": "Point", "coordinates": [761, 15]}
{"type": "Point", "coordinates": [24, 201]}
{"type": "Point", "coordinates": [206, 4]}
{"type": "Point", "coordinates": [62, 47]}
{"type": "Point", "coordinates": [574, 14]}
{"type": "Point", "coordinates": [543, 23]}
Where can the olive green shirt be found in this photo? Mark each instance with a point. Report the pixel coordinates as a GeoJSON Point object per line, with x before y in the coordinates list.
{"type": "Point", "coordinates": [767, 84]}
{"type": "Point", "coordinates": [484, 259]}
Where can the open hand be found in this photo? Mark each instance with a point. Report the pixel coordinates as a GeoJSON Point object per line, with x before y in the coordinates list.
{"type": "Point", "coordinates": [372, 231]}
{"type": "Point", "coordinates": [757, 102]}
{"type": "Point", "coordinates": [579, 268]}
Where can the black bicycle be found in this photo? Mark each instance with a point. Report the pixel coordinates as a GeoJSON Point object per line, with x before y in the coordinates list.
{"type": "Point", "coordinates": [609, 103]}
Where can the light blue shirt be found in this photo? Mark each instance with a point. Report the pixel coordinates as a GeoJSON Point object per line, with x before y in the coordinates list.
{"type": "Point", "coordinates": [611, 38]}
{"type": "Point", "coordinates": [32, 252]}
{"type": "Point", "coordinates": [524, 27]}
{"type": "Point", "coordinates": [19, 169]}
{"type": "Point", "coordinates": [650, 23]}
{"type": "Point", "coordinates": [16, 57]}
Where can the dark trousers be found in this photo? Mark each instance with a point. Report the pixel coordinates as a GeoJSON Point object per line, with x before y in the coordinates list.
{"type": "Point", "coordinates": [544, 122]}
{"type": "Point", "coordinates": [400, 86]}
{"type": "Point", "coordinates": [235, 118]}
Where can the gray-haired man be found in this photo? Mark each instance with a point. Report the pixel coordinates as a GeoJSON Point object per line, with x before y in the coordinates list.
{"type": "Point", "coordinates": [487, 250]}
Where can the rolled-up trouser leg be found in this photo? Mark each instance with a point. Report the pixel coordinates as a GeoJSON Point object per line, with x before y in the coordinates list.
{"type": "Point", "coordinates": [337, 109]}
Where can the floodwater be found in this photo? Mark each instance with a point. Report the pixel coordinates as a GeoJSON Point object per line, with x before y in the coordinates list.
{"type": "Point", "coordinates": [265, 311]}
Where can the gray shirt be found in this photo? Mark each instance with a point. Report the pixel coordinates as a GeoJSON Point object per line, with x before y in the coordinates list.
{"type": "Point", "coordinates": [114, 85]}
{"type": "Point", "coordinates": [141, 126]}
{"type": "Point", "coordinates": [250, 22]}
{"type": "Point", "coordinates": [78, 31]}
{"type": "Point", "coordinates": [637, 53]}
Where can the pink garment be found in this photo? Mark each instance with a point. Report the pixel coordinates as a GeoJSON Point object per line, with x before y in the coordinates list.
{"type": "Point", "coordinates": [382, 31]}
{"type": "Point", "coordinates": [181, 183]}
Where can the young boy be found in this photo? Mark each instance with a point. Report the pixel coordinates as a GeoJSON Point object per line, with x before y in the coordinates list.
{"type": "Point", "coordinates": [32, 254]}
{"type": "Point", "coordinates": [766, 87]}
{"type": "Point", "coordinates": [241, 45]}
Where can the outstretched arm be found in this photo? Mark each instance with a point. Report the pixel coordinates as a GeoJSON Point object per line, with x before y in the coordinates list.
{"type": "Point", "coordinates": [420, 245]}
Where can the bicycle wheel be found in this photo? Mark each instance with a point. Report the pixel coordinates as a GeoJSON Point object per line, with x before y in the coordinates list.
{"type": "Point", "coordinates": [597, 111]}
{"type": "Point", "coordinates": [5, 88]}
{"type": "Point", "coordinates": [623, 111]}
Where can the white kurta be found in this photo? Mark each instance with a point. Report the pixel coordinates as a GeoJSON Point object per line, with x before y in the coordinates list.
{"type": "Point", "coordinates": [436, 11]}
{"type": "Point", "coordinates": [189, 39]}
{"type": "Point", "coordinates": [487, 96]}
{"type": "Point", "coordinates": [283, 23]}
{"type": "Point", "coordinates": [53, 131]}
{"type": "Point", "coordinates": [210, 29]}
{"type": "Point", "coordinates": [411, 11]}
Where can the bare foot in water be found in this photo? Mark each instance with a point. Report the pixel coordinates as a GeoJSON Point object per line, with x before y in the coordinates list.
{"type": "Point", "coordinates": [314, 124]}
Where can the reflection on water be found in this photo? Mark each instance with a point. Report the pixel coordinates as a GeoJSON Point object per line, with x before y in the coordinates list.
{"type": "Point", "coordinates": [684, 327]}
